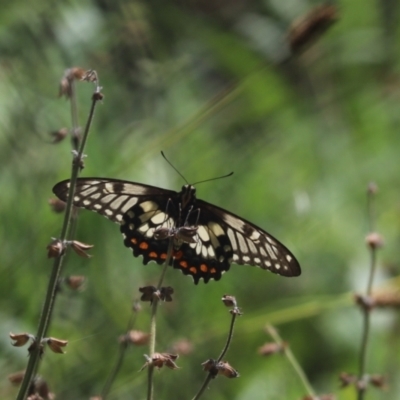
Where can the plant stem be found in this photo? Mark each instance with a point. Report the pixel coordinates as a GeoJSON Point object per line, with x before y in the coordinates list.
{"type": "Point", "coordinates": [153, 322]}
{"type": "Point", "coordinates": [56, 270]}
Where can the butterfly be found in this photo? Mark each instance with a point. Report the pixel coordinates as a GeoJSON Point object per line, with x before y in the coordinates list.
{"type": "Point", "coordinates": [206, 238]}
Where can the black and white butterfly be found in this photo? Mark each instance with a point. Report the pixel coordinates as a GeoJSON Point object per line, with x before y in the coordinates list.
{"type": "Point", "coordinates": [206, 238]}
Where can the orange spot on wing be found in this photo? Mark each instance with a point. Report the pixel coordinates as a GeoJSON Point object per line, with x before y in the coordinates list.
{"type": "Point", "coordinates": [193, 270]}
{"type": "Point", "coordinates": [203, 267]}
{"type": "Point", "coordinates": [163, 256]}
{"type": "Point", "coordinates": [153, 254]}
{"type": "Point", "coordinates": [144, 246]}
{"type": "Point", "coordinates": [134, 240]}
{"type": "Point", "coordinates": [178, 254]}
{"type": "Point", "coordinates": [183, 264]}
{"type": "Point", "coordinates": [213, 270]}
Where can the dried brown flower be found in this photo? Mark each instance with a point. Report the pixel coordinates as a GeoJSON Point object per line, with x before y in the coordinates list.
{"type": "Point", "coordinates": [379, 381]}
{"type": "Point", "coordinates": [137, 338]}
{"type": "Point", "coordinates": [158, 360]}
{"type": "Point", "coordinates": [80, 248]}
{"type": "Point", "coordinates": [390, 299]}
{"type": "Point", "coordinates": [222, 368]}
{"type": "Point", "coordinates": [372, 188]}
{"type": "Point", "coordinates": [17, 377]}
{"type": "Point", "coordinates": [55, 345]}
{"type": "Point", "coordinates": [75, 282]}
{"type": "Point", "coordinates": [59, 136]}
{"type": "Point", "coordinates": [347, 379]}
{"type": "Point", "coordinates": [365, 302]}
{"type": "Point", "coordinates": [182, 347]}
{"type": "Point", "coordinates": [150, 293]}
{"type": "Point", "coordinates": [21, 339]}
{"type": "Point", "coordinates": [272, 348]}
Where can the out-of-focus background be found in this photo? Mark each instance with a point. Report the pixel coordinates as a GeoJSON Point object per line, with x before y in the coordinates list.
{"type": "Point", "coordinates": [216, 86]}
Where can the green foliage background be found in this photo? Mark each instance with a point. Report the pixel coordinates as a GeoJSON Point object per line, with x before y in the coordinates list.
{"type": "Point", "coordinates": [211, 84]}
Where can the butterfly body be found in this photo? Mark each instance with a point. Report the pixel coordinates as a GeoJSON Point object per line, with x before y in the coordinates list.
{"type": "Point", "coordinates": [206, 238]}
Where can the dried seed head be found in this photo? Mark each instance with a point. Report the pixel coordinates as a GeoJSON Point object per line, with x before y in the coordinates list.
{"type": "Point", "coordinates": [272, 348]}
{"type": "Point", "coordinates": [55, 345]}
{"type": "Point", "coordinates": [21, 339]}
{"type": "Point", "coordinates": [57, 205]}
{"type": "Point", "coordinates": [137, 338]}
{"type": "Point", "coordinates": [210, 366]}
{"type": "Point", "coordinates": [42, 389]}
{"type": "Point", "coordinates": [75, 282]}
{"type": "Point", "coordinates": [308, 28]}
{"type": "Point", "coordinates": [374, 240]}
{"type": "Point", "coordinates": [55, 248]}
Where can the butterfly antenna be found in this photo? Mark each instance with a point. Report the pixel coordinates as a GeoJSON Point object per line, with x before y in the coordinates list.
{"type": "Point", "coordinates": [169, 162]}
{"type": "Point", "coordinates": [213, 179]}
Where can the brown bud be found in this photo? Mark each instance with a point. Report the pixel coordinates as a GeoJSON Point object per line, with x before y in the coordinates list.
{"type": "Point", "coordinates": [55, 344]}
{"type": "Point", "coordinates": [374, 240]}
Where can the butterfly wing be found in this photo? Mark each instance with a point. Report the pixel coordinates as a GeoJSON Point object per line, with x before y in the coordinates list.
{"type": "Point", "coordinates": [111, 198]}
{"type": "Point", "coordinates": [251, 245]}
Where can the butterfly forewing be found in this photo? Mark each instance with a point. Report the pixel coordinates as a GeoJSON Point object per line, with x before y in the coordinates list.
{"type": "Point", "coordinates": [206, 238]}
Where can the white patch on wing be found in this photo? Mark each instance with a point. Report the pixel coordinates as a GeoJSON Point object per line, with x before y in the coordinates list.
{"type": "Point", "coordinates": [86, 192]}
{"type": "Point", "coordinates": [242, 244]}
{"type": "Point", "coordinates": [158, 218]}
{"type": "Point", "coordinates": [232, 238]}
{"type": "Point", "coordinates": [129, 204]}
{"type": "Point", "coordinates": [116, 204]}
{"type": "Point", "coordinates": [147, 206]}
{"type": "Point", "coordinates": [144, 228]}
{"type": "Point", "coordinates": [203, 234]}
{"type": "Point", "coordinates": [234, 222]}
{"type": "Point", "coordinates": [216, 228]}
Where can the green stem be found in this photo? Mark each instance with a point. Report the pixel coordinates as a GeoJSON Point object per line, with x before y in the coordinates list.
{"type": "Point", "coordinates": [153, 323]}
